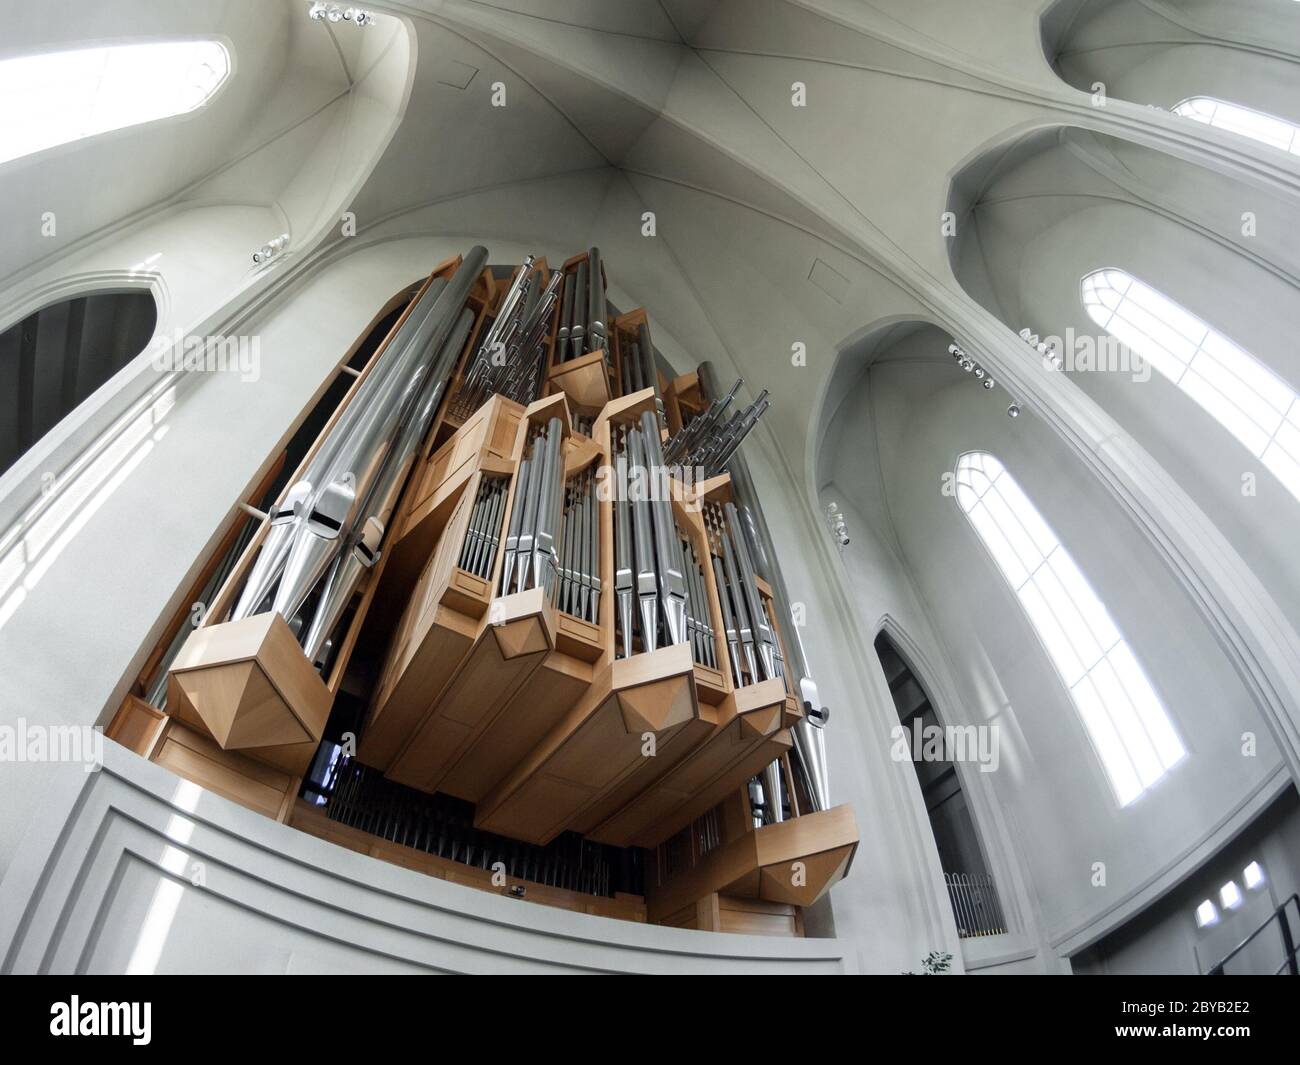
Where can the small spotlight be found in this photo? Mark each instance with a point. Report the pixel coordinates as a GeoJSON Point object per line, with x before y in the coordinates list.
{"type": "Point", "coordinates": [1253, 875]}
{"type": "Point", "coordinates": [1206, 914]}
{"type": "Point", "coordinates": [1230, 895]}
{"type": "Point", "coordinates": [839, 528]}
{"type": "Point", "coordinates": [988, 382]}
{"type": "Point", "coordinates": [271, 248]}
{"type": "Point", "coordinates": [1013, 411]}
{"type": "Point", "coordinates": [323, 12]}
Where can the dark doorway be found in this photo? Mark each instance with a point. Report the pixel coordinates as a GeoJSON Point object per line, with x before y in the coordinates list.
{"type": "Point", "coordinates": [969, 882]}
{"type": "Point", "coordinates": [57, 356]}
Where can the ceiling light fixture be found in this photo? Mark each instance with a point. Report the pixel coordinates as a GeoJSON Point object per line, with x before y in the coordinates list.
{"type": "Point", "coordinates": [321, 12]}
{"type": "Point", "coordinates": [271, 248]}
{"type": "Point", "coordinates": [1041, 347]}
{"type": "Point", "coordinates": [839, 528]}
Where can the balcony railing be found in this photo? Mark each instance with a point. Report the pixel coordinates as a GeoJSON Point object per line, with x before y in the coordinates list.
{"type": "Point", "coordinates": [975, 904]}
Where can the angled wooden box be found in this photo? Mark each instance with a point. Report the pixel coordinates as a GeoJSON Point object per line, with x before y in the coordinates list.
{"type": "Point", "coordinates": [794, 862]}
{"type": "Point", "coordinates": [599, 757]}
{"type": "Point", "coordinates": [248, 685]}
{"type": "Point", "coordinates": [752, 731]}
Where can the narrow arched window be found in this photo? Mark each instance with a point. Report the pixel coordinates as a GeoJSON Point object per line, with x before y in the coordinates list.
{"type": "Point", "coordinates": [1128, 724]}
{"type": "Point", "coordinates": [1238, 390]}
{"type": "Point", "coordinates": [1267, 129]}
{"type": "Point", "coordinates": [57, 97]}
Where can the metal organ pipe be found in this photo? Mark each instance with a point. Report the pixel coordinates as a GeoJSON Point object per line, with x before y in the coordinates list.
{"type": "Point", "coordinates": [339, 507]}
{"type": "Point", "coordinates": [809, 741]}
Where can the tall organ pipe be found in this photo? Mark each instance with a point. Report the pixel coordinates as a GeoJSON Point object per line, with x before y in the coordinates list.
{"type": "Point", "coordinates": [270, 561]}
{"type": "Point", "coordinates": [809, 741]}
{"type": "Point", "coordinates": [363, 549]}
{"type": "Point", "coordinates": [327, 510]}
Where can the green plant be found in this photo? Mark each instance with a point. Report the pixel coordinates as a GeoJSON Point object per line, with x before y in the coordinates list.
{"type": "Point", "coordinates": [933, 964]}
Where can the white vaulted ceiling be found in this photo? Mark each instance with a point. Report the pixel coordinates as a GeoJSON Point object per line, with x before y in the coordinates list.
{"type": "Point", "coordinates": [777, 225]}
{"type": "Point", "coordinates": [682, 107]}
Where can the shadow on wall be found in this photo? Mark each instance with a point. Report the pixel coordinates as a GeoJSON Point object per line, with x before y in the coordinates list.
{"type": "Point", "coordinates": [1016, 197]}
{"type": "Point", "coordinates": [1164, 53]}
{"type": "Point", "coordinates": [854, 358]}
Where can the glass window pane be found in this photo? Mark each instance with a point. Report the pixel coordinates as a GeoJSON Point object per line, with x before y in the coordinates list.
{"type": "Point", "coordinates": [1054, 637]}
{"type": "Point", "coordinates": [1012, 531]}
{"type": "Point", "coordinates": [1250, 371]}
{"type": "Point", "coordinates": [1114, 759]}
{"type": "Point", "coordinates": [1068, 615]}
{"type": "Point", "coordinates": [1008, 561]}
{"type": "Point", "coordinates": [1129, 726]}
{"type": "Point", "coordinates": [1225, 413]}
{"type": "Point", "coordinates": [1124, 717]}
{"type": "Point", "coordinates": [1167, 744]}
{"type": "Point", "coordinates": [1247, 122]}
{"type": "Point", "coordinates": [1236, 389]}
{"type": "Point", "coordinates": [58, 97]}
{"type": "Point", "coordinates": [1085, 599]}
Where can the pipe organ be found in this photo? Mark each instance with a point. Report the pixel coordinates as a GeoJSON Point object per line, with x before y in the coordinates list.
{"type": "Point", "coordinates": [514, 620]}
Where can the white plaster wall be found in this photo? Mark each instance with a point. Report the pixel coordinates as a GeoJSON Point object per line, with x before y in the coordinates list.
{"type": "Point", "coordinates": [1166, 939]}
{"type": "Point", "coordinates": [749, 193]}
{"type": "Point", "coordinates": [93, 581]}
{"type": "Point", "coordinates": [1162, 53]}
{"type": "Point", "coordinates": [178, 206]}
{"type": "Point", "coordinates": [926, 413]}
{"type": "Point", "coordinates": [1048, 223]}
{"type": "Point", "coordinates": [129, 869]}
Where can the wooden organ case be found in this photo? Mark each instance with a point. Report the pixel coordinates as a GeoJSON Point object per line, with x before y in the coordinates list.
{"type": "Point", "coordinates": [555, 672]}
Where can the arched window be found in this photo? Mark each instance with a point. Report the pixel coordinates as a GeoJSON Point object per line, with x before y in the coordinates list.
{"type": "Point", "coordinates": [1242, 394]}
{"type": "Point", "coordinates": [58, 97]}
{"type": "Point", "coordinates": [1267, 129]}
{"type": "Point", "coordinates": [1125, 718]}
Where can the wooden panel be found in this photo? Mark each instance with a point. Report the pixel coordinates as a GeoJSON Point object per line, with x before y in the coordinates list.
{"type": "Point", "coordinates": [756, 917]}
{"type": "Point", "coordinates": [471, 709]}
{"type": "Point", "coordinates": [594, 760]}
{"type": "Point", "coordinates": [701, 916]}
{"type": "Point", "coordinates": [310, 819]}
{"type": "Point", "coordinates": [749, 734]}
{"type": "Point", "coordinates": [135, 725]}
{"type": "Point", "coordinates": [585, 380]}
{"type": "Point", "coordinates": [535, 709]}
{"type": "Point", "coordinates": [248, 685]}
{"type": "Point", "coordinates": [228, 773]}
{"type": "Point", "coordinates": [484, 442]}
{"type": "Point", "coordinates": [430, 642]}
{"type": "Point", "coordinates": [762, 864]}
{"type": "Point", "coordinates": [692, 789]}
